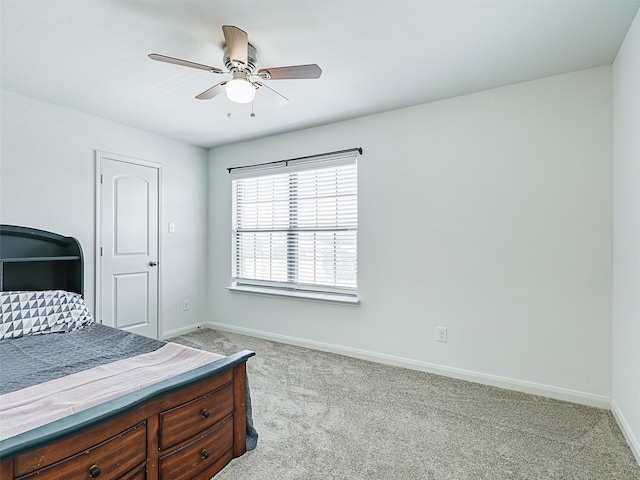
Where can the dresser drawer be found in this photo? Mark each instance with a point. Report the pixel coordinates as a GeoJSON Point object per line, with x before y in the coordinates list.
{"type": "Point", "coordinates": [140, 474]}
{"type": "Point", "coordinates": [108, 460]}
{"type": "Point", "coordinates": [182, 422]}
{"type": "Point", "coordinates": [186, 462]}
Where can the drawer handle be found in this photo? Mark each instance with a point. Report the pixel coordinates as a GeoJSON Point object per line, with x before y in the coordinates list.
{"type": "Point", "coordinates": [204, 454]}
{"type": "Point", "coordinates": [204, 413]}
{"type": "Point", "coordinates": [94, 471]}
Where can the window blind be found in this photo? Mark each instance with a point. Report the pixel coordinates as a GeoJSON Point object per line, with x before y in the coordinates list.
{"type": "Point", "coordinates": [295, 227]}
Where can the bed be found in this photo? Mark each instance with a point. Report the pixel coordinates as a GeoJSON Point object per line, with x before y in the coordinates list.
{"type": "Point", "coordinates": [83, 400]}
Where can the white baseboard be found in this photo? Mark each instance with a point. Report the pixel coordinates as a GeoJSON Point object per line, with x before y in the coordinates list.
{"type": "Point", "coordinates": [184, 330]}
{"type": "Point", "coordinates": [632, 440]}
{"type": "Point", "coordinates": [582, 398]}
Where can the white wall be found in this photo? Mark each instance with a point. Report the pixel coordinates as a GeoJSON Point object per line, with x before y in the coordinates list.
{"type": "Point", "coordinates": [47, 178]}
{"type": "Point", "coordinates": [488, 214]}
{"type": "Point", "coordinates": [626, 235]}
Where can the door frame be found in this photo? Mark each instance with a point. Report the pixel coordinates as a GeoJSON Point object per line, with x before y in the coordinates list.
{"type": "Point", "coordinates": [98, 222]}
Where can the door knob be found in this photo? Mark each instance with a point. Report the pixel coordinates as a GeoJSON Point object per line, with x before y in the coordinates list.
{"type": "Point", "coordinates": [152, 263]}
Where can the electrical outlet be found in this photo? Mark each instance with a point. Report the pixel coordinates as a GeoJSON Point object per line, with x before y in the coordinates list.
{"type": "Point", "coordinates": [441, 334]}
{"type": "Point", "coordinates": [186, 304]}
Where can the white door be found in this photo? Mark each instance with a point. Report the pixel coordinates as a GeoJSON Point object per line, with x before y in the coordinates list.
{"type": "Point", "coordinates": [128, 239]}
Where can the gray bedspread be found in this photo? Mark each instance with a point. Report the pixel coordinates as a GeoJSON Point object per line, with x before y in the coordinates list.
{"type": "Point", "coordinates": [34, 359]}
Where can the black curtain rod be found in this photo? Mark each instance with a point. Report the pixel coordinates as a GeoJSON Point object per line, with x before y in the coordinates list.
{"type": "Point", "coordinates": [286, 162]}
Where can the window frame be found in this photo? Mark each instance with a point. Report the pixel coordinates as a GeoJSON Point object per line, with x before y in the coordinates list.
{"type": "Point", "coordinates": [292, 287]}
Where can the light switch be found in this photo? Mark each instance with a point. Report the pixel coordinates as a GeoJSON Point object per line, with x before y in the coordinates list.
{"type": "Point", "coordinates": [172, 227]}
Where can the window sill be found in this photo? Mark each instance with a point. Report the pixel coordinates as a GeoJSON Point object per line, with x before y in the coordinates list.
{"type": "Point", "coordinates": [313, 297]}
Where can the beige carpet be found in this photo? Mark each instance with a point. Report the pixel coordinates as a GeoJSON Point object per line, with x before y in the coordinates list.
{"type": "Point", "coordinates": [326, 416]}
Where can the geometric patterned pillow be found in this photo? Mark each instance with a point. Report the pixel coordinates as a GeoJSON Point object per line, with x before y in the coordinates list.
{"type": "Point", "coordinates": [37, 312]}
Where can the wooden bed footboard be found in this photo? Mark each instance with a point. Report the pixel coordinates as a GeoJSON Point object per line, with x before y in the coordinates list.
{"type": "Point", "coordinates": [185, 428]}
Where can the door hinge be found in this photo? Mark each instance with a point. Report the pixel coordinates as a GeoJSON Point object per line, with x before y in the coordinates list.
{"type": "Point", "coordinates": [100, 251]}
{"type": "Point", "coordinates": [101, 179]}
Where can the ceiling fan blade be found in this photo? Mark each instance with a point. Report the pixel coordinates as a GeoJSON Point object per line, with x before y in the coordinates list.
{"type": "Point", "coordinates": [212, 92]}
{"type": "Point", "coordinates": [184, 63]}
{"type": "Point", "coordinates": [237, 44]}
{"type": "Point", "coordinates": [278, 97]}
{"type": "Point", "coordinates": [293, 72]}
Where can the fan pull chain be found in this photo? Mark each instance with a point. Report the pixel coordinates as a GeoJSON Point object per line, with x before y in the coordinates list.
{"type": "Point", "coordinates": [252, 114]}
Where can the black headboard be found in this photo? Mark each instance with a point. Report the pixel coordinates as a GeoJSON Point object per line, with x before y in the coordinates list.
{"type": "Point", "coordinates": [32, 259]}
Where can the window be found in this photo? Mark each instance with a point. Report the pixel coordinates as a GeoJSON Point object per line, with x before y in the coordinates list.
{"type": "Point", "coordinates": [295, 227]}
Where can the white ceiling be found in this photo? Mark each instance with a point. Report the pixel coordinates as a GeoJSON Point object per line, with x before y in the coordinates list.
{"type": "Point", "coordinates": [376, 55]}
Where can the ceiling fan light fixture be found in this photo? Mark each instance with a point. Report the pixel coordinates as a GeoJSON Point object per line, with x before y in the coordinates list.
{"type": "Point", "coordinates": [241, 60]}
{"type": "Point", "coordinates": [240, 89]}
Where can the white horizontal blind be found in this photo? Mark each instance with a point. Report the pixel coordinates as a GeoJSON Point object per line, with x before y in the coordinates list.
{"type": "Point", "coordinates": [296, 227]}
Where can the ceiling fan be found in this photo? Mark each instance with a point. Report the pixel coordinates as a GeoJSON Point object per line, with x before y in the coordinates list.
{"type": "Point", "coordinates": [240, 60]}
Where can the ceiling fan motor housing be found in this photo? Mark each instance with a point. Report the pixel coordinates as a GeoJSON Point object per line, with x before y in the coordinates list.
{"type": "Point", "coordinates": [251, 60]}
